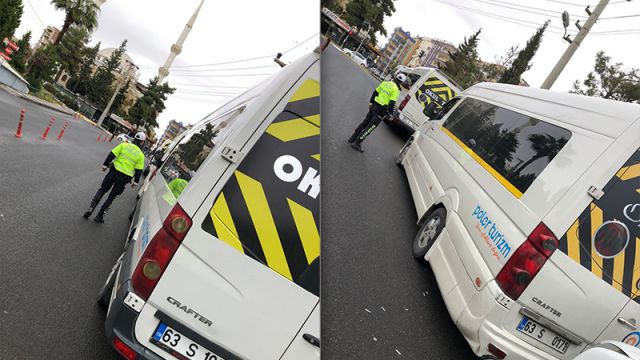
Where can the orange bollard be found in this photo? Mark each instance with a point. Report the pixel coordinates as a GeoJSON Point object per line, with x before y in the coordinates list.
{"type": "Point", "coordinates": [105, 137]}
{"type": "Point", "coordinates": [19, 131]}
{"type": "Point", "coordinates": [46, 131]}
{"type": "Point", "coordinates": [66, 123]}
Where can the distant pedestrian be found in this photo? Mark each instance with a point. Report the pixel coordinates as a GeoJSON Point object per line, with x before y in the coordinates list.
{"type": "Point", "coordinates": [382, 102]}
{"type": "Point", "coordinates": [125, 162]}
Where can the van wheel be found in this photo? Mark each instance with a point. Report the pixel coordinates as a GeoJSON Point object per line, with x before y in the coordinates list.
{"type": "Point", "coordinates": [429, 232]}
{"type": "Point", "coordinates": [104, 295]}
{"type": "Point", "coordinates": [403, 152]}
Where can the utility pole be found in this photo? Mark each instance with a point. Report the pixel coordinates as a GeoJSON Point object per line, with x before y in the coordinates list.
{"type": "Point", "coordinates": [113, 97]}
{"type": "Point", "coordinates": [573, 46]}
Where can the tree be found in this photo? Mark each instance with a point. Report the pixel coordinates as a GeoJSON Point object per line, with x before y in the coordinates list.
{"type": "Point", "coordinates": [70, 51]}
{"type": "Point", "coordinates": [522, 63]}
{"type": "Point", "coordinates": [464, 65]}
{"type": "Point", "coordinates": [147, 108]}
{"type": "Point", "coordinates": [493, 72]}
{"type": "Point", "coordinates": [100, 91]}
{"type": "Point", "coordinates": [19, 58]}
{"type": "Point", "coordinates": [610, 81]}
{"type": "Point", "coordinates": [42, 66]}
{"type": "Point", "coordinates": [81, 83]}
{"type": "Point", "coordinates": [83, 13]}
{"type": "Point", "coordinates": [10, 14]}
{"type": "Point", "coordinates": [373, 12]}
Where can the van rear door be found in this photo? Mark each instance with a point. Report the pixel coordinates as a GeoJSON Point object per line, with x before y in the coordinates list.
{"type": "Point", "coordinates": [249, 264]}
{"type": "Point", "coordinates": [431, 94]}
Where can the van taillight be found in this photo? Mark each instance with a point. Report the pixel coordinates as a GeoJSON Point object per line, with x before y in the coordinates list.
{"type": "Point", "coordinates": [159, 252]}
{"type": "Point", "coordinates": [525, 263]}
{"type": "Point", "coordinates": [404, 102]}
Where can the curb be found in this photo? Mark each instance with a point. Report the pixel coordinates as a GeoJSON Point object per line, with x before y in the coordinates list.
{"type": "Point", "coordinates": [35, 100]}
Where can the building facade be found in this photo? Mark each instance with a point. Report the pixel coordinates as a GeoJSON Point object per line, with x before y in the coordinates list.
{"type": "Point", "coordinates": [49, 36]}
{"type": "Point", "coordinates": [396, 50]}
{"type": "Point", "coordinates": [174, 128]}
{"type": "Point", "coordinates": [435, 53]}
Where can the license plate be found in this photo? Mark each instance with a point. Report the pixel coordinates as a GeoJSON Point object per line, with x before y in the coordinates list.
{"type": "Point", "coordinates": [543, 335]}
{"type": "Point", "coordinates": [174, 342]}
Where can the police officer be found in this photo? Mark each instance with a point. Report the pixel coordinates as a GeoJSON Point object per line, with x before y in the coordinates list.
{"type": "Point", "coordinates": [125, 162]}
{"type": "Point", "coordinates": [382, 102]}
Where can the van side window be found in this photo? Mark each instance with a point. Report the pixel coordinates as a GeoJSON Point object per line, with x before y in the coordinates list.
{"type": "Point", "coordinates": [513, 147]}
{"type": "Point", "coordinates": [413, 78]}
{"type": "Point", "coordinates": [193, 149]}
{"type": "Point", "coordinates": [269, 208]}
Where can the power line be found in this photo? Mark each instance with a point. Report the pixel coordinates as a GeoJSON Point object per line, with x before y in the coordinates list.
{"type": "Point", "coordinates": [567, 3]}
{"type": "Point", "coordinates": [35, 12]}
{"type": "Point", "coordinates": [227, 69]}
{"type": "Point", "coordinates": [226, 75]}
{"type": "Point", "coordinates": [307, 39]}
{"type": "Point", "coordinates": [213, 64]}
{"type": "Point", "coordinates": [553, 12]}
{"type": "Point", "coordinates": [619, 17]}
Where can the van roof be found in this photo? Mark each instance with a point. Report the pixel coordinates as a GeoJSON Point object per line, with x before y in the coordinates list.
{"type": "Point", "coordinates": [606, 117]}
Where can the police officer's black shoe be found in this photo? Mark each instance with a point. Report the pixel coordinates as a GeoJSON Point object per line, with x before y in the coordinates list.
{"type": "Point", "coordinates": [87, 213]}
{"type": "Point", "coordinates": [356, 145]}
{"type": "Point", "coordinates": [99, 219]}
{"type": "Point", "coordinates": [351, 140]}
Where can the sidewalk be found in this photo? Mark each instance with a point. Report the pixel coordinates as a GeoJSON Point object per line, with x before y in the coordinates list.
{"type": "Point", "coordinates": [36, 100]}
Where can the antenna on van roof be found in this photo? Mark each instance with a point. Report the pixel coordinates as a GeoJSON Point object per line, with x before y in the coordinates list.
{"type": "Point", "coordinates": [278, 61]}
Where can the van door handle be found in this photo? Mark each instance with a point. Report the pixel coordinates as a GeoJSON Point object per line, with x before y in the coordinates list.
{"type": "Point", "coordinates": [311, 339]}
{"type": "Point", "coordinates": [630, 323]}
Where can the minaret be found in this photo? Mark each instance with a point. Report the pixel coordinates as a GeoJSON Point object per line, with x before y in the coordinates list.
{"type": "Point", "coordinates": [176, 48]}
{"type": "Point", "coordinates": [100, 2]}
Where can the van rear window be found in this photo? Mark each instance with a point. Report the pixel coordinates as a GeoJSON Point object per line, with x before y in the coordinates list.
{"type": "Point", "coordinates": [513, 147]}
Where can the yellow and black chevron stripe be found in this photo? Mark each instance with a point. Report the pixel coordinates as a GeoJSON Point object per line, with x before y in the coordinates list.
{"type": "Point", "coordinates": [262, 216]}
{"type": "Point", "coordinates": [436, 91]}
{"type": "Point", "coordinates": [622, 271]}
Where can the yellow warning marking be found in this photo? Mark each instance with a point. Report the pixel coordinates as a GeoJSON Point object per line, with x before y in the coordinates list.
{"type": "Point", "coordinates": [314, 119]}
{"type": "Point", "coordinates": [309, 89]}
{"type": "Point", "coordinates": [433, 82]}
{"type": "Point", "coordinates": [517, 193]}
{"type": "Point", "coordinates": [636, 270]}
{"type": "Point", "coordinates": [316, 156]}
{"type": "Point", "coordinates": [629, 172]}
{"type": "Point", "coordinates": [596, 260]}
{"type": "Point", "coordinates": [618, 271]}
{"type": "Point", "coordinates": [223, 222]}
{"type": "Point", "coordinates": [573, 245]}
{"type": "Point", "coordinates": [293, 129]}
{"type": "Point", "coordinates": [258, 206]}
{"type": "Point", "coordinates": [444, 88]}
{"type": "Point", "coordinates": [307, 230]}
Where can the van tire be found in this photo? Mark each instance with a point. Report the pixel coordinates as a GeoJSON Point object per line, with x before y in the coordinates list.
{"type": "Point", "coordinates": [104, 295]}
{"type": "Point", "coordinates": [429, 231]}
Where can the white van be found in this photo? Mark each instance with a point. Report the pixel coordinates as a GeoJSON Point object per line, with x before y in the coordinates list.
{"type": "Point", "coordinates": [222, 261]}
{"type": "Point", "coordinates": [529, 208]}
{"type": "Point", "coordinates": [429, 90]}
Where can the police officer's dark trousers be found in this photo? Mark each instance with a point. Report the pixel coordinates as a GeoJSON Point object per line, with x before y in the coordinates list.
{"type": "Point", "coordinates": [114, 180]}
{"type": "Point", "coordinates": [370, 122]}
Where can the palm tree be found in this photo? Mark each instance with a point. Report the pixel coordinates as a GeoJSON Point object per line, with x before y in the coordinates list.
{"type": "Point", "coordinates": [83, 13]}
{"type": "Point", "coordinates": [544, 145]}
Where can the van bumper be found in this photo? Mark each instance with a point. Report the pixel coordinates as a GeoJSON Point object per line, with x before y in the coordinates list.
{"type": "Point", "coordinates": [476, 313]}
{"type": "Point", "coordinates": [404, 123]}
{"type": "Point", "coordinates": [121, 319]}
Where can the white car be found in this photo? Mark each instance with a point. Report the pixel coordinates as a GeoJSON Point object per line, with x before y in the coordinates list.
{"type": "Point", "coordinates": [222, 257]}
{"type": "Point", "coordinates": [529, 211]}
{"type": "Point", "coordinates": [356, 57]}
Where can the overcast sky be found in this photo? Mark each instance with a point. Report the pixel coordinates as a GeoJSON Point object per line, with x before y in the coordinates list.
{"type": "Point", "coordinates": [505, 24]}
{"type": "Point", "coordinates": [225, 31]}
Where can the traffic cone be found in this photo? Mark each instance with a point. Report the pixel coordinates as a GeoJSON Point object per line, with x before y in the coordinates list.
{"type": "Point", "coordinates": [46, 131]}
{"type": "Point", "coordinates": [66, 123]}
{"type": "Point", "coordinates": [19, 131]}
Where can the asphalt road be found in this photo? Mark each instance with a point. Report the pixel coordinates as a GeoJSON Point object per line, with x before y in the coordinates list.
{"type": "Point", "coordinates": [378, 302]}
{"type": "Point", "coordinates": [52, 260]}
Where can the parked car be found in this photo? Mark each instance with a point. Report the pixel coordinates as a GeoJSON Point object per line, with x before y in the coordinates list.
{"type": "Point", "coordinates": [222, 257]}
{"type": "Point", "coordinates": [356, 57]}
{"type": "Point", "coordinates": [528, 209]}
